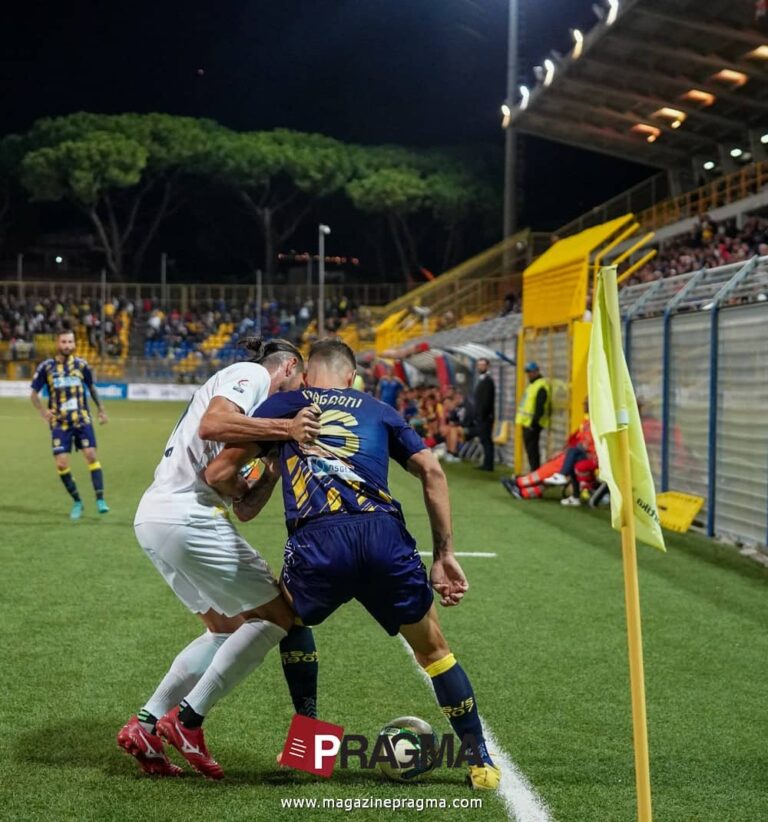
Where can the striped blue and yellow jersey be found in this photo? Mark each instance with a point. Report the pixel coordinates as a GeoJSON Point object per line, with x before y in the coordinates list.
{"type": "Point", "coordinates": [346, 469]}
{"type": "Point", "coordinates": [66, 381]}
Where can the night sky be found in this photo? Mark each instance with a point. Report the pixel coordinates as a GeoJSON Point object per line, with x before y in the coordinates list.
{"type": "Point", "coordinates": [417, 72]}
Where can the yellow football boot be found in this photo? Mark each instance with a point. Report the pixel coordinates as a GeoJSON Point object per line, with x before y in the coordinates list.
{"type": "Point", "coordinates": [484, 777]}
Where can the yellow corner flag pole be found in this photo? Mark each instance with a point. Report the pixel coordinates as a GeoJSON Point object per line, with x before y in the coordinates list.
{"type": "Point", "coordinates": [634, 635]}
{"type": "Point", "coordinates": [624, 465]}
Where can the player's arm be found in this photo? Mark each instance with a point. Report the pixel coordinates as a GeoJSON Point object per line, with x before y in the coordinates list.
{"type": "Point", "coordinates": [91, 386]}
{"type": "Point", "coordinates": [223, 472]}
{"type": "Point", "coordinates": [224, 421]}
{"type": "Point", "coordinates": [284, 413]}
{"type": "Point", "coordinates": [251, 504]}
{"type": "Point", "coordinates": [38, 381]}
{"type": "Point", "coordinates": [45, 413]}
{"type": "Point", "coordinates": [446, 575]}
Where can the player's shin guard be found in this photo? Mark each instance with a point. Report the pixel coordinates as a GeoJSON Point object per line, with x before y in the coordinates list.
{"type": "Point", "coordinates": [65, 475]}
{"type": "Point", "coordinates": [97, 478]}
{"type": "Point", "coordinates": [243, 651]}
{"type": "Point", "coordinates": [299, 657]}
{"type": "Point", "coordinates": [457, 701]}
{"type": "Point", "coordinates": [185, 672]}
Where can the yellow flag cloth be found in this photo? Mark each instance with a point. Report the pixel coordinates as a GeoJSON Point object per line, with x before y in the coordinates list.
{"type": "Point", "coordinates": [612, 406]}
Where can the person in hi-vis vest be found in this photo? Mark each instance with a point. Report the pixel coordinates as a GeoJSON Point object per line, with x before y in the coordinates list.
{"type": "Point", "coordinates": [533, 413]}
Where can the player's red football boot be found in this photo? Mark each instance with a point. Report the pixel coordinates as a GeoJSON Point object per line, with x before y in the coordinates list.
{"type": "Point", "coordinates": [190, 743]}
{"type": "Point", "coordinates": [147, 749]}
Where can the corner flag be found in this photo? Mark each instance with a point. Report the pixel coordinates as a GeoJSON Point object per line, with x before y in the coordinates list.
{"type": "Point", "coordinates": [624, 465]}
{"type": "Point", "coordinates": [612, 407]}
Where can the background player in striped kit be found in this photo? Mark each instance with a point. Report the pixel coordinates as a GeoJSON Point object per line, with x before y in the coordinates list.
{"type": "Point", "coordinates": [67, 377]}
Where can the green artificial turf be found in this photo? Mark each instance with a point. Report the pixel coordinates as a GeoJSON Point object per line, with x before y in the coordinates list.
{"type": "Point", "coordinates": [89, 628]}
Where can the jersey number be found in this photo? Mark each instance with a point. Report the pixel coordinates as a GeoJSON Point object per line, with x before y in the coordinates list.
{"type": "Point", "coordinates": [336, 424]}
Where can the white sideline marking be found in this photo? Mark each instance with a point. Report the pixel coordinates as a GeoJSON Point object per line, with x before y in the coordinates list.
{"type": "Point", "coordinates": [483, 554]}
{"type": "Point", "coordinates": [522, 802]}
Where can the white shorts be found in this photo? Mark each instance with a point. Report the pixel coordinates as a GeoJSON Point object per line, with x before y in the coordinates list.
{"type": "Point", "coordinates": [207, 563]}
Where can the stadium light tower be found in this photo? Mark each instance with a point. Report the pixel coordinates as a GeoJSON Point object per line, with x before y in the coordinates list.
{"type": "Point", "coordinates": [510, 137]}
{"type": "Point", "coordinates": [322, 231]}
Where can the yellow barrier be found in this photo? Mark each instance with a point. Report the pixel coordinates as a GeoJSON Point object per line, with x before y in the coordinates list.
{"type": "Point", "coordinates": [555, 285]}
{"type": "Point", "coordinates": [677, 510]}
{"type": "Point", "coordinates": [556, 322]}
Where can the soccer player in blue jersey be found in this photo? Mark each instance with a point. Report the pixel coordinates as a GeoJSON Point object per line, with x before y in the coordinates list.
{"type": "Point", "coordinates": [347, 534]}
{"type": "Point", "coordinates": [67, 377]}
{"type": "Point", "coordinates": [389, 388]}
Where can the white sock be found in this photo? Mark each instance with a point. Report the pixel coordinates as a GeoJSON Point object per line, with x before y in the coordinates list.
{"type": "Point", "coordinates": [184, 673]}
{"type": "Point", "coordinates": [242, 653]}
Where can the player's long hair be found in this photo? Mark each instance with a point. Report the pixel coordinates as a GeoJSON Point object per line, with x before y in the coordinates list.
{"type": "Point", "coordinates": [261, 350]}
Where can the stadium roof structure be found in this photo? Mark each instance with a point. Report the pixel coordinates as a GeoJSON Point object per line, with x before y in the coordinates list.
{"type": "Point", "coordinates": [659, 82]}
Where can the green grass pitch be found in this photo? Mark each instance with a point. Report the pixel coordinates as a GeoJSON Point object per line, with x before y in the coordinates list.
{"type": "Point", "coordinates": [88, 629]}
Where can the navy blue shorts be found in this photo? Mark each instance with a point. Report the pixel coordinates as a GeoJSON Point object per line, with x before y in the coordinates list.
{"type": "Point", "coordinates": [367, 557]}
{"type": "Point", "coordinates": [83, 436]}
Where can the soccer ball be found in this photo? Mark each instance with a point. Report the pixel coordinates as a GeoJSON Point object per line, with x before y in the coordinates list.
{"type": "Point", "coordinates": [252, 470]}
{"type": "Point", "coordinates": [403, 738]}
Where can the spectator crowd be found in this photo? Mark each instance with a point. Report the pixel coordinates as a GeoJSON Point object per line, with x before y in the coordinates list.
{"type": "Point", "coordinates": [709, 245]}
{"type": "Point", "coordinates": [440, 416]}
{"type": "Point", "coordinates": [21, 318]}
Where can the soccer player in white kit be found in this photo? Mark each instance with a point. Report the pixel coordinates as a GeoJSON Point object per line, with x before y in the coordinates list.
{"type": "Point", "coordinates": [183, 526]}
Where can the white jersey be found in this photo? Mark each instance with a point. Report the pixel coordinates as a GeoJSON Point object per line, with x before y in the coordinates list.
{"type": "Point", "coordinates": [179, 487]}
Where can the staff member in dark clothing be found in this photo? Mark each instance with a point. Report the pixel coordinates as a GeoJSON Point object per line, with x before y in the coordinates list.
{"type": "Point", "coordinates": [533, 413]}
{"type": "Point", "coordinates": [485, 412]}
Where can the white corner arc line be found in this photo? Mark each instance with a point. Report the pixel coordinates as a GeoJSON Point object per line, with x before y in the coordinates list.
{"type": "Point", "coordinates": [483, 554]}
{"type": "Point", "coordinates": [520, 799]}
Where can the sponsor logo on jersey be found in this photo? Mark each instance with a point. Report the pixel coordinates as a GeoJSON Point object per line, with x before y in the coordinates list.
{"type": "Point", "coordinates": [66, 382]}
{"type": "Point", "coordinates": [324, 467]}
{"type": "Point", "coordinates": [240, 386]}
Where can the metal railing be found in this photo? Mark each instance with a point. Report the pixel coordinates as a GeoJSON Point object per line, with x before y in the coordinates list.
{"type": "Point", "coordinates": [697, 348]}
{"type": "Point", "coordinates": [189, 370]}
{"type": "Point", "coordinates": [185, 296]}
{"type": "Point", "coordinates": [638, 198]}
{"type": "Point", "coordinates": [471, 291]}
{"type": "Point", "coordinates": [654, 208]}
{"type": "Point", "coordinates": [723, 191]}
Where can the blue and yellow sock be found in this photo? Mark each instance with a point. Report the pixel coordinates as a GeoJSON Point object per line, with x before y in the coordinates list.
{"type": "Point", "coordinates": [97, 478]}
{"type": "Point", "coordinates": [457, 701]}
{"type": "Point", "coordinates": [65, 474]}
{"type": "Point", "coordinates": [298, 654]}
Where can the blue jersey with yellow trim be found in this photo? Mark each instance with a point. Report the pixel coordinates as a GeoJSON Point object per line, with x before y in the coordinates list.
{"type": "Point", "coordinates": [66, 381]}
{"type": "Point", "coordinates": [346, 469]}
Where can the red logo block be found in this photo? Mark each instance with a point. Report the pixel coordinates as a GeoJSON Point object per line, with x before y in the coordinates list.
{"type": "Point", "coordinates": [312, 745]}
